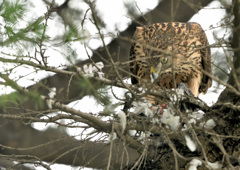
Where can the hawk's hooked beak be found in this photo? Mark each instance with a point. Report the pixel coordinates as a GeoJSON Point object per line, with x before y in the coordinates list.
{"type": "Point", "coordinates": [154, 72]}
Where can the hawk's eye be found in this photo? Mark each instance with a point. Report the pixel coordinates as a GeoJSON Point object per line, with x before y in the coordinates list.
{"type": "Point", "coordinates": [164, 60]}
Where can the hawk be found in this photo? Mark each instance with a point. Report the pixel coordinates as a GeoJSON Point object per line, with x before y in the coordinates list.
{"type": "Point", "coordinates": [171, 53]}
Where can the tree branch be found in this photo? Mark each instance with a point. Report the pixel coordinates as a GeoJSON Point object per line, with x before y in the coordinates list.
{"type": "Point", "coordinates": [22, 139]}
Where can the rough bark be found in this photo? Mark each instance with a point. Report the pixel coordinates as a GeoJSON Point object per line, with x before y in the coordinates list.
{"type": "Point", "coordinates": [227, 95]}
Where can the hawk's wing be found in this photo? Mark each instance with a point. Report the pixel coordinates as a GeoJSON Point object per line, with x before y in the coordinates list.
{"type": "Point", "coordinates": [206, 60]}
{"type": "Point", "coordinates": [137, 56]}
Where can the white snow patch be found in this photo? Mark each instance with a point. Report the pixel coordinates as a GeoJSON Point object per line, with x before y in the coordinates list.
{"type": "Point", "coordinates": [90, 69]}
{"type": "Point", "coordinates": [100, 75]}
{"type": "Point", "coordinates": [210, 124]}
{"type": "Point", "coordinates": [144, 108]}
{"type": "Point", "coordinates": [197, 114]}
{"type": "Point", "coordinates": [192, 121]}
{"type": "Point", "coordinates": [169, 119]}
{"type": "Point", "coordinates": [112, 136]}
{"type": "Point", "coordinates": [50, 103]}
{"type": "Point", "coordinates": [100, 65]}
{"type": "Point", "coordinates": [52, 92]}
{"type": "Point", "coordinates": [51, 95]}
{"type": "Point", "coordinates": [215, 165]}
{"type": "Point", "coordinates": [143, 136]}
{"type": "Point", "coordinates": [132, 132]}
{"type": "Point", "coordinates": [190, 143]}
{"type": "Point", "coordinates": [123, 120]}
{"type": "Point", "coordinates": [194, 164]}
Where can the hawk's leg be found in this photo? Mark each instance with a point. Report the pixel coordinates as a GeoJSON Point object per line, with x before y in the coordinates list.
{"type": "Point", "coordinates": [194, 84]}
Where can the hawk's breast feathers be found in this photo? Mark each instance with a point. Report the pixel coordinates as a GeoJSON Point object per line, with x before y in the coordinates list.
{"type": "Point", "coordinates": [185, 48]}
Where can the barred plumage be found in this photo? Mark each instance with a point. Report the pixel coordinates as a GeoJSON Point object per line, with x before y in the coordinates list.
{"type": "Point", "coordinates": [184, 45]}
